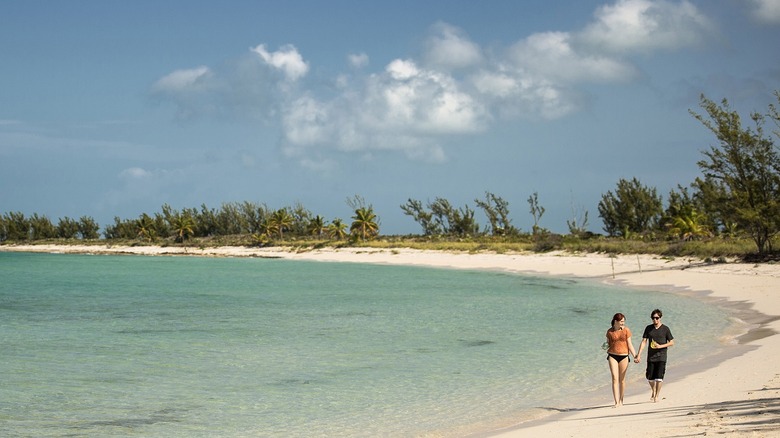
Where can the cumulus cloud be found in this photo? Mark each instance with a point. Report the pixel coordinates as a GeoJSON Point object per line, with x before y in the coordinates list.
{"type": "Point", "coordinates": [455, 88]}
{"type": "Point", "coordinates": [766, 11]}
{"type": "Point", "coordinates": [307, 122]}
{"type": "Point", "coordinates": [643, 25]}
{"type": "Point", "coordinates": [551, 55]}
{"type": "Point", "coordinates": [402, 69]}
{"type": "Point", "coordinates": [450, 48]}
{"type": "Point", "coordinates": [518, 94]}
{"type": "Point", "coordinates": [405, 109]}
{"type": "Point", "coordinates": [425, 100]}
{"type": "Point", "coordinates": [358, 60]}
{"type": "Point", "coordinates": [286, 59]}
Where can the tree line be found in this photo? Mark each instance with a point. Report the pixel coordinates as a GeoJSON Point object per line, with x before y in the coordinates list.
{"type": "Point", "coordinates": [244, 218]}
{"type": "Point", "coordinates": [737, 195]}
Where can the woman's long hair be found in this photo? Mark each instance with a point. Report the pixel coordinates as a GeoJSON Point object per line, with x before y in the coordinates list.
{"type": "Point", "coordinates": [617, 317]}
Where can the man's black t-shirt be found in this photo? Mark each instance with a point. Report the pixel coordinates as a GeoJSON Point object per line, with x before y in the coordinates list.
{"type": "Point", "coordinates": [660, 335]}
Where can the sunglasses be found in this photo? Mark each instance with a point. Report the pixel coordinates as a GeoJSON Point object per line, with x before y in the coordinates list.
{"type": "Point", "coordinates": [656, 317]}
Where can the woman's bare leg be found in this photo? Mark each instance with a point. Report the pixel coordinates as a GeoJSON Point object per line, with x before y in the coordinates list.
{"type": "Point", "coordinates": [622, 368]}
{"type": "Point", "coordinates": [614, 369]}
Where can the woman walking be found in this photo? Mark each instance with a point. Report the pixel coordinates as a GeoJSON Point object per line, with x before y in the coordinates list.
{"type": "Point", "coordinates": [619, 347]}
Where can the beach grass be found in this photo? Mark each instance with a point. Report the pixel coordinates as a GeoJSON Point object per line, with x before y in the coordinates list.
{"type": "Point", "coordinates": [713, 249]}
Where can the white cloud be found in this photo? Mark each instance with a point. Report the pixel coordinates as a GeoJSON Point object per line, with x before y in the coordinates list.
{"type": "Point", "coordinates": [535, 77]}
{"type": "Point", "coordinates": [496, 84]}
{"type": "Point", "coordinates": [306, 122]}
{"type": "Point", "coordinates": [454, 88]}
{"type": "Point", "coordinates": [357, 60]}
{"type": "Point", "coordinates": [287, 59]}
{"type": "Point", "coordinates": [403, 109]}
{"type": "Point", "coordinates": [642, 25]}
{"type": "Point", "coordinates": [551, 56]}
{"type": "Point", "coordinates": [401, 69]}
{"type": "Point", "coordinates": [410, 99]}
{"type": "Point", "coordinates": [519, 94]}
{"type": "Point", "coordinates": [181, 80]}
{"type": "Point", "coordinates": [450, 48]}
{"type": "Point", "coordinates": [766, 11]}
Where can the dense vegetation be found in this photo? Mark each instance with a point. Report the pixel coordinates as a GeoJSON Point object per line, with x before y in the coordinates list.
{"type": "Point", "coordinates": [733, 209]}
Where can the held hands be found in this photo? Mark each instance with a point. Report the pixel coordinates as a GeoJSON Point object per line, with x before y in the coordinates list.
{"type": "Point", "coordinates": [637, 359]}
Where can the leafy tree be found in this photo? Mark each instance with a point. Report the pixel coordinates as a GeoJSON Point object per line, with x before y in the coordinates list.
{"type": "Point", "coordinates": [205, 222]}
{"type": "Point", "coordinates": [633, 208]}
{"type": "Point", "coordinates": [120, 229]}
{"type": "Point", "coordinates": [145, 228]}
{"type": "Point", "coordinates": [684, 217]}
{"type": "Point", "coordinates": [463, 222]}
{"type": "Point", "coordinates": [317, 226]}
{"type": "Point", "coordinates": [254, 215]}
{"type": "Point", "coordinates": [364, 225]}
{"type": "Point", "coordinates": [537, 211]}
{"type": "Point", "coordinates": [183, 226]}
{"type": "Point", "coordinates": [88, 228]}
{"type": "Point", "coordinates": [17, 226]}
{"type": "Point", "coordinates": [687, 224]}
{"type": "Point", "coordinates": [452, 221]}
{"type": "Point", "coordinates": [301, 217]}
{"type": "Point", "coordinates": [230, 220]}
{"type": "Point", "coordinates": [67, 228]}
{"type": "Point", "coordinates": [443, 215]}
{"type": "Point", "coordinates": [41, 227]}
{"type": "Point", "coordinates": [160, 226]}
{"type": "Point", "coordinates": [279, 222]}
{"type": "Point", "coordinates": [415, 209]}
{"type": "Point", "coordinates": [742, 173]}
{"type": "Point", "coordinates": [337, 229]}
{"type": "Point", "coordinates": [497, 211]}
{"type": "Point", "coordinates": [264, 232]}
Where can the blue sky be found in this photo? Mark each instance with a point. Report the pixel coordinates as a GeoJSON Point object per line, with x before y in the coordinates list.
{"type": "Point", "coordinates": [112, 108]}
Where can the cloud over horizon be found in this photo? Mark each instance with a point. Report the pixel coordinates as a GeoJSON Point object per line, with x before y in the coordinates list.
{"type": "Point", "coordinates": [281, 103]}
{"type": "Point", "coordinates": [456, 87]}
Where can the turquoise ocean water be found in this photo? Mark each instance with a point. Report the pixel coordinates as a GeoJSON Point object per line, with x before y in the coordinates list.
{"type": "Point", "coordinates": [219, 347]}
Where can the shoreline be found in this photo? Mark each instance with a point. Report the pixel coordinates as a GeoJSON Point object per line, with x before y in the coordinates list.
{"type": "Point", "coordinates": [736, 392]}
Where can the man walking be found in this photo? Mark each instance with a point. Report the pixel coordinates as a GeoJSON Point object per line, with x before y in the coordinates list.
{"type": "Point", "coordinates": [659, 337]}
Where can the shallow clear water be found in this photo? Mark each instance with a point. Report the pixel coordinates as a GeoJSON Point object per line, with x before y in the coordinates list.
{"type": "Point", "coordinates": [186, 346]}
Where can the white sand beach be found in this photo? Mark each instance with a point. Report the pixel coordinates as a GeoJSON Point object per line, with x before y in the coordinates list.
{"type": "Point", "coordinates": [735, 394]}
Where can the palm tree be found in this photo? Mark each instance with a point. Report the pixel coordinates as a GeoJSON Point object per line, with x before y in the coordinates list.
{"type": "Point", "coordinates": [263, 233]}
{"type": "Point", "coordinates": [337, 229]}
{"type": "Point", "coordinates": [316, 226]}
{"type": "Point", "coordinates": [687, 224]}
{"type": "Point", "coordinates": [145, 227]}
{"type": "Point", "coordinates": [364, 225]}
{"type": "Point", "coordinates": [280, 221]}
{"type": "Point", "coordinates": [183, 226]}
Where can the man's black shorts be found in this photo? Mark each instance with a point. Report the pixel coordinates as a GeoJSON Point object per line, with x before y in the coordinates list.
{"type": "Point", "coordinates": [655, 371]}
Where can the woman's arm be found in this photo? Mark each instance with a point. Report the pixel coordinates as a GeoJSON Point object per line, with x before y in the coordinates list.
{"type": "Point", "coordinates": [631, 347]}
{"type": "Point", "coordinates": [638, 355]}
